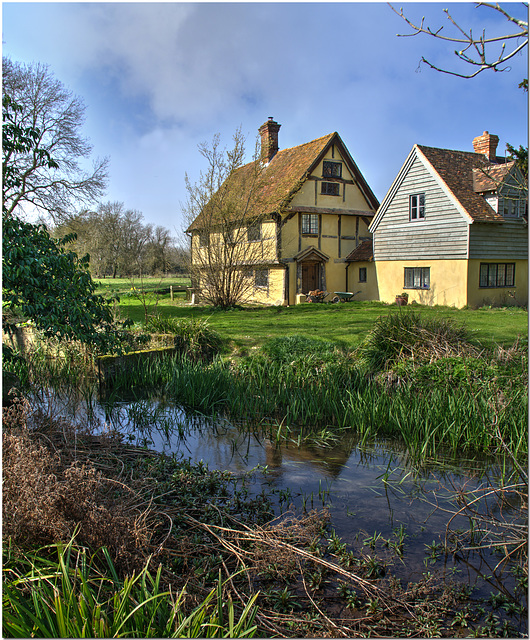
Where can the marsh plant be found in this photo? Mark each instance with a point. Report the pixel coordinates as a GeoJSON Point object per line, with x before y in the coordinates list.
{"type": "Point", "coordinates": [454, 402]}
{"type": "Point", "coordinates": [63, 591]}
{"type": "Point", "coordinates": [194, 337]}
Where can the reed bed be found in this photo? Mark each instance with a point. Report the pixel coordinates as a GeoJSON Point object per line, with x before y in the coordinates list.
{"type": "Point", "coordinates": [461, 415]}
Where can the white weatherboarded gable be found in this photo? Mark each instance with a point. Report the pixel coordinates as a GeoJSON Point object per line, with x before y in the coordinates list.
{"type": "Point", "coordinates": [444, 232]}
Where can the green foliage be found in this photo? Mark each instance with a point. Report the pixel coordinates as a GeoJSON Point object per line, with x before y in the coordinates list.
{"type": "Point", "coordinates": [451, 371]}
{"type": "Point", "coordinates": [520, 156]}
{"type": "Point", "coordinates": [286, 349]}
{"type": "Point", "coordinates": [42, 281]}
{"type": "Point", "coordinates": [78, 596]}
{"type": "Point", "coordinates": [192, 336]}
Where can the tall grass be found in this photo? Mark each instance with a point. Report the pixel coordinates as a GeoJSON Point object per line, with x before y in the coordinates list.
{"type": "Point", "coordinates": [81, 596]}
{"type": "Point", "coordinates": [463, 403]}
{"type": "Point", "coordinates": [192, 336]}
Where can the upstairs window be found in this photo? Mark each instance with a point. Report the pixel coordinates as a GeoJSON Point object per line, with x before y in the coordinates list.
{"type": "Point", "coordinates": [513, 207]}
{"type": "Point", "coordinates": [204, 239]}
{"type": "Point", "coordinates": [332, 169]}
{"type": "Point", "coordinates": [330, 189]}
{"type": "Point", "coordinates": [497, 274]}
{"type": "Point", "coordinates": [310, 224]}
{"type": "Point", "coordinates": [417, 277]}
{"type": "Point", "coordinates": [254, 232]}
{"type": "Point", "coordinates": [417, 206]}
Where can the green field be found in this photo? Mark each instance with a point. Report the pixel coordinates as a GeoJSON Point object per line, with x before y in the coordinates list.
{"type": "Point", "coordinates": [124, 285]}
{"type": "Point", "coordinates": [345, 323]}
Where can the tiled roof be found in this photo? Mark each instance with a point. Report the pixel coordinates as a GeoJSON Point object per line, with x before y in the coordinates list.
{"type": "Point", "coordinates": [489, 178]}
{"type": "Point", "coordinates": [278, 182]}
{"type": "Point", "coordinates": [364, 252]}
{"type": "Point", "coordinates": [457, 170]}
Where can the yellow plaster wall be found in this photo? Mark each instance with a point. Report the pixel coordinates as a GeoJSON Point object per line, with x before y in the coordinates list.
{"type": "Point", "coordinates": [448, 280]}
{"type": "Point", "coordinates": [335, 277]}
{"type": "Point", "coordinates": [368, 290]}
{"type": "Point", "coordinates": [353, 198]}
{"type": "Point", "coordinates": [264, 249]}
{"type": "Point", "coordinates": [275, 292]}
{"type": "Point", "coordinates": [478, 296]}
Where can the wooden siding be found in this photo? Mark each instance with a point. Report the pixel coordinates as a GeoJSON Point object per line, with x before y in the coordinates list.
{"type": "Point", "coordinates": [506, 241]}
{"type": "Point", "coordinates": [443, 233]}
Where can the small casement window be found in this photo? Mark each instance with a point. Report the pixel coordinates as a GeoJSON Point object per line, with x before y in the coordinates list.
{"type": "Point", "coordinates": [497, 274]}
{"type": "Point", "coordinates": [511, 207]}
{"type": "Point", "coordinates": [204, 238]}
{"type": "Point", "coordinates": [330, 189]}
{"type": "Point", "coordinates": [417, 206]}
{"type": "Point", "coordinates": [261, 278]}
{"type": "Point", "coordinates": [332, 169]}
{"type": "Point", "coordinates": [417, 277]}
{"type": "Point", "coordinates": [310, 224]}
{"type": "Point", "coordinates": [254, 232]}
{"type": "Point", "coordinates": [362, 274]}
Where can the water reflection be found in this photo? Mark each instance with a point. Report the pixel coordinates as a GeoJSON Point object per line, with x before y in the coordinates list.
{"type": "Point", "coordinates": [377, 487]}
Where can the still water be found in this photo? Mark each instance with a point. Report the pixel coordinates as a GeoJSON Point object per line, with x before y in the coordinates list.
{"type": "Point", "coordinates": [371, 491]}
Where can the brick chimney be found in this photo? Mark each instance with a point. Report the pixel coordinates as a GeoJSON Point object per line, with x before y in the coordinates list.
{"type": "Point", "coordinates": [487, 145]}
{"type": "Point", "coordinates": [269, 139]}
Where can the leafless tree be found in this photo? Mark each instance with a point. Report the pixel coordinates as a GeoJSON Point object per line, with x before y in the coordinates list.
{"type": "Point", "coordinates": [51, 110]}
{"type": "Point", "coordinates": [230, 240]}
{"type": "Point", "coordinates": [118, 241]}
{"type": "Point", "coordinates": [477, 50]}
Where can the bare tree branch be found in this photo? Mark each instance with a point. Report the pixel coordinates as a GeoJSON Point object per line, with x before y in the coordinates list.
{"type": "Point", "coordinates": [231, 242]}
{"type": "Point", "coordinates": [480, 55]}
{"type": "Point", "coordinates": [55, 115]}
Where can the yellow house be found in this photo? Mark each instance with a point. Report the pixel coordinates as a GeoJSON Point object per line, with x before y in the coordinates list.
{"type": "Point", "coordinates": [452, 229]}
{"type": "Point", "coordinates": [311, 207]}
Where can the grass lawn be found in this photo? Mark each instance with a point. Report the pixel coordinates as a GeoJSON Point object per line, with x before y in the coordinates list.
{"type": "Point", "coordinates": [124, 285]}
{"type": "Point", "coordinates": [345, 323]}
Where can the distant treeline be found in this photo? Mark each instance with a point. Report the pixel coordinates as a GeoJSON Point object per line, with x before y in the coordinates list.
{"type": "Point", "coordinates": [120, 244]}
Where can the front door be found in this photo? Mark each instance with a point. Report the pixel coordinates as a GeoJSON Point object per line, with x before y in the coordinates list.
{"type": "Point", "coordinates": [309, 276]}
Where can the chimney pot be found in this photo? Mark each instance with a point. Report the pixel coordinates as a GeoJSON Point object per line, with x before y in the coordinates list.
{"type": "Point", "coordinates": [269, 139]}
{"type": "Point", "coordinates": [486, 144]}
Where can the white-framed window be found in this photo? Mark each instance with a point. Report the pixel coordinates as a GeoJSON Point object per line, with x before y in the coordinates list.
{"type": "Point", "coordinates": [497, 274]}
{"type": "Point", "coordinates": [332, 169]}
{"type": "Point", "coordinates": [417, 278]}
{"type": "Point", "coordinates": [511, 206]}
{"type": "Point", "coordinates": [417, 206]}
{"type": "Point", "coordinates": [310, 224]}
{"type": "Point", "coordinates": [261, 278]}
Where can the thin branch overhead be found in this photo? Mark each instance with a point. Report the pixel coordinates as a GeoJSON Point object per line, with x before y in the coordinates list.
{"type": "Point", "coordinates": [476, 50]}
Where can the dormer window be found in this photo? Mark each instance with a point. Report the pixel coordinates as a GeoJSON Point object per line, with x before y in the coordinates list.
{"type": "Point", "coordinates": [511, 206]}
{"type": "Point", "coordinates": [417, 207]}
{"type": "Point", "coordinates": [332, 169]}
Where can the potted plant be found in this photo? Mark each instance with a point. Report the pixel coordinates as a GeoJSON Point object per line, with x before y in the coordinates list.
{"type": "Point", "coordinates": [402, 299]}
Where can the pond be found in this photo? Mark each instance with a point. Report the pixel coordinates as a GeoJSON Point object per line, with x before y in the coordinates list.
{"type": "Point", "coordinates": [378, 498]}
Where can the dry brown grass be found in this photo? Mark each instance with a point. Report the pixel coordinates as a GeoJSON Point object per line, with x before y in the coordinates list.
{"type": "Point", "coordinates": [48, 497]}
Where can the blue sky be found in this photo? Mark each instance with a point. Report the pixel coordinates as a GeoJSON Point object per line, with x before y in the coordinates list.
{"type": "Point", "coordinates": [160, 78]}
